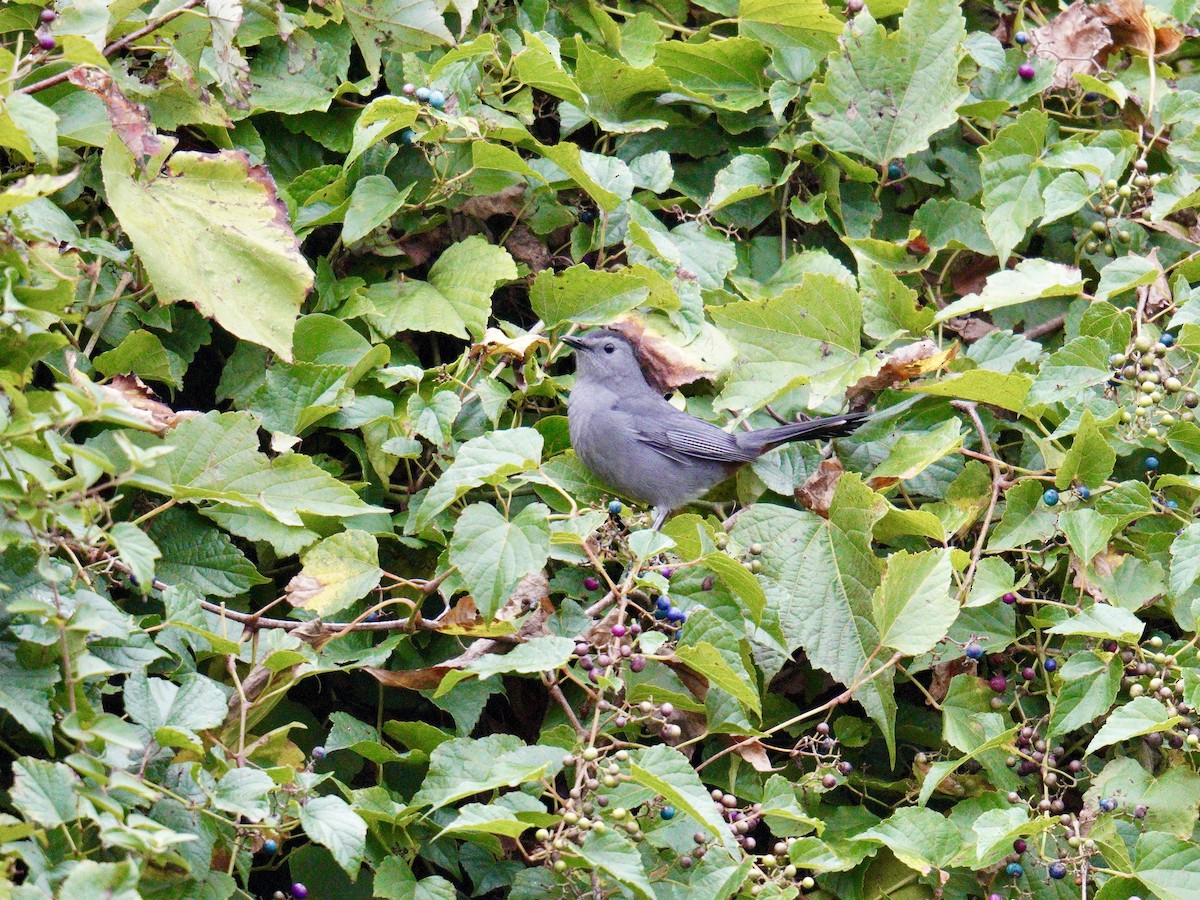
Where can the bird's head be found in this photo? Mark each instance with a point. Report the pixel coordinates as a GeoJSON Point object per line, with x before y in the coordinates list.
{"type": "Point", "coordinates": [606, 357]}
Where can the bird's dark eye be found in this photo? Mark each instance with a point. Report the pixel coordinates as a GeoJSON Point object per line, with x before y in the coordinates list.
{"type": "Point", "coordinates": [610, 348]}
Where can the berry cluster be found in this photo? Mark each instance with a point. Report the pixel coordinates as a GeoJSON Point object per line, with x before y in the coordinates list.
{"type": "Point", "coordinates": [44, 38]}
{"type": "Point", "coordinates": [1150, 672]}
{"type": "Point", "coordinates": [1026, 69]}
{"type": "Point", "coordinates": [432, 96]}
{"type": "Point", "coordinates": [1116, 203]}
{"type": "Point", "coordinates": [609, 655]}
{"type": "Point", "coordinates": [1152, 384]}
{"type": "Point", "coordinates": [298, 891]}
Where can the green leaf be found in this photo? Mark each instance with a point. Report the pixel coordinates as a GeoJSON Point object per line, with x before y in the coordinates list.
{"type": "Point", "coordinates": [465, 766]}
{"type": "Point", "coordinates": [709, 648]}
{"type": "Point", "coordinates": [140, 353]}
{"type": "Point", "coordinates": [983, 386]}
{"type": "Point", "coordinates": [1089, 688]}
{"type": "Point", "coordinates": [669, 774]}
{"type": "Point", "coordinates": [913, 453]}
{"type": "Point", "coordinates": [339, 570]}
{"type": "Point", "coordinates": [374, 200]}
{"type": "Point", "coordinates": [197, 554]}
{"type": "Point", "coordinates": [112, 881]}
{"type": "Point", "coordinates": [1090, 459]}
{"type": "Point", "coordinates": [1014, 182]}
{"type": "Point", "coordinates": [399, 25]}
{"type": "Point", "coordinates": [819, 576]}
{"type": "Point", "coordinates": [1142, 715]}
{"type": "Point", "coordinates": [487, 459]}
{"type": "Point", "coordinates": [889, 305]}
{"type": "Point", "coordinates": [25, 694]}
{"type": "Point", "coordinates": [617, 856]}
{"type": "Point", "coordinates": [493, 554]}
{"type": "Point", "coordinates": [1087, 532]}
{"type": "Point", "coordinates": [540, 654]}
{"type": "Point", "coordinates": [244, 792]}
{"type": "Point", "coordinates": [1070, 372]}
{"type": "Point", "coordinates": [886, 95]}
{"type": "Point", "coordinates": [803, 334]}
{"type": "Point", "coordinates": [1185, 560]}
{"type": "Point", "coordinates": [457, 299]}
{"type": "Point", "coordinates": [1031, 279]}
{"type": "Point", "coordinates": [45, 792]}
{"type": "Point", "coordinates": [1168, 866]}
{"type": "Point", "coordinates": [913, 605]}
{"type": "Point", "coordinates": [475, 818]}
{"type": "Point", "coordinates": [137, 551]}
{"type": "Point", "coordinates": [584, 296]}
{"type": "Point", "coordinates": [210, 230]}
{"type": "Point", "coordinates": [332, 823]}
{"type": "Point", "coordinates": [728, 74]}
{"type": "Point", "coordinates": [1125, 274]}
{"type": "Point", "coordinates": [921, 838]}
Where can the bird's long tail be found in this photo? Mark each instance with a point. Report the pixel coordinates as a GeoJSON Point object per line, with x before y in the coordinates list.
{"type": "Point", "coordinates": [812, 430]}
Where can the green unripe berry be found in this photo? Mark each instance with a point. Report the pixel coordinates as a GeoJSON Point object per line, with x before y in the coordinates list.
{"type": "Point", "coordinates": [1142, 342]}
{"type": "Point", "coordinates": [1110, 185]}
{"type": "Point", "coordinates": [1141, 180]}
{"type": "Point", "coordinates": [590, 753]}
{"type": "Point", "coordinates": [1091, 246]}
{"type": "Point", "coordinates": [1110, 211]}
{"type": "Point", "coordinates": [1126, 191]}
{"type": "Point", "coordinates": [1126, 416]}
{"type": "Point", "coordinates": [1152, 432]}
{"type": "Point", "coordinates": [560, 865]}
{"type": "Point", "coordinates": [1099, 228]}
{"type": "Point", "coordinates": [1109, 249]}
{"type": "Point", "coordinates": [1124, 237]}
{"type": "Point", "coordinates": [1173, 384]}
{"type": "Point", "coordinates": [1167, 420]}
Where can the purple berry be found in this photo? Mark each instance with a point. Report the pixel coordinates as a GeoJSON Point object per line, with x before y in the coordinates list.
{"type": "Point", "coordinates": [973, 651]}
{"type": "Point", "coordinates": [1026, 71]}
{"type": "Point", "coordinates": [854, 6]}
{"type": "Point", "coordinates": [1020, 846]}
{"type": "Point", "coordinates": [591, 583]}
{"type": "Point", "coordinates": [1028, 673]}
{"type": "Point", "coordinates": [299, 891]}
{"type": "Point", "coordinates": [1010, 598]}
{"type": "Point", "coordinates": [1058, 869]}
{"type": "Point", "coordinates": [667, 573]}
{"type": "Point", "coordinates": [618, 631]}
{"type": "Point", "coordinates": [582, 649]}
{"type": "Point", "coordinates": [318, 752]}
{"type": "Point", "coordinates": [637, 663]}
{"type": "Point", "coordinates": [49, 15]}
{"type": "Point", "coordinates": [1050, 665]}
{"type": "Point", "coordinates": [46, 42]}
{"type": "Point", "coordinates": [1108, 805]}
{"type": "Point", "coordinates": [998, 683]}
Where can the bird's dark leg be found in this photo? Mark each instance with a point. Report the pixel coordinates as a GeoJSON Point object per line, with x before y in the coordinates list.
{"type": "Point", "coordinates": [660, 516]}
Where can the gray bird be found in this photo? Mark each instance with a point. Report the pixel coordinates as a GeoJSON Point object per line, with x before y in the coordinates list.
{"type": "Point", "coordinates": [641, 445]}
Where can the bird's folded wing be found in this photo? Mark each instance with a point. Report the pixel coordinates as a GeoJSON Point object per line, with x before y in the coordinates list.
{"type": "Point", "coordinates": [693, 443]}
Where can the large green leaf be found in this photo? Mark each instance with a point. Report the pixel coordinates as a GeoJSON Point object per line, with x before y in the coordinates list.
{"type": "Point", "coordinates": [493, 553]}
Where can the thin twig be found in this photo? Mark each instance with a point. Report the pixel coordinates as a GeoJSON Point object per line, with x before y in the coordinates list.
{"type": "Point", "coordinates": [998, 481]}
{"type": "Point", "coordinates": [1044, 328]}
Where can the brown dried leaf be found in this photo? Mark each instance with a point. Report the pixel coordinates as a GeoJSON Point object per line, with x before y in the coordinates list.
{"type": "Point", "coordinates": [1155, 298]}
{"type": "Point", "coordinates": [817, 492]}
{"type": "Point", "coordinates": [496, 341]}
{"type": "Point", "coordinates": [526, 247]}
{"type": "Point", "coordinates": [753, 752]}
{"type": "Point", "coordinates": [508, 202]}
{"type": "Point", "coordinates": [665, 365]}
{"type": "Point", "coordinates": [1130, 27]}
{"type": "Point", "coordinates": [907, 362]}
{"type": "Point", "coordinates": [131, 121]}
{"type": "Point", "coordinates": [301, 589]}
{"type": "Point", "coordinates": [1076, 39]}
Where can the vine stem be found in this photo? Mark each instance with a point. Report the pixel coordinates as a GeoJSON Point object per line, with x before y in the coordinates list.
{"type": "Point", "coordinates": [972, 409]}
{"type": "Point", "coordinates": [115, 47]}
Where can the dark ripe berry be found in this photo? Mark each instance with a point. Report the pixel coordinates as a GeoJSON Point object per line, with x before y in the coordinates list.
{"type": "Point", "coordinates": [46, 41]}
{"type": "Point", "coordinates": [829, 781]}
{"type": "Point", "coordinates": [1028, 673]}
{"type": "Point", "coordinates": [318, 752]}
{"type": "Point", "coordinates": [635, 629]}
{"type": "Point", "coordinates": [614, 507]}
{"type": "Point", "coordinates": [1021, 38]}
{"type": "Point", "coordinates": [823, 728]}
{"type": "Point", "coordinates": [675, 614]}
{"type": "Point", "coordinates": [1058, 869]}
{"type": "Point", "coordinates": [845, 767]}
{"type": "Point", "coordinates": [618, 630]}
{"type": "Point", "coordinates": [663, 603]}
{"type": "Point", "coordinates": [854, 6]}
{"type": "Point", "coordinates": [594, 676]}
{"type": "Point", "coordinates": [1139, 812]}
{"type": "Point", "coordinates": [437, 99]}
{"type": "Point", "coordinates": [1014, 870]}
{"type": "Point", "coordinates": [1050, 665]}
{"type": "Point", "coordinates": [422, 94]}
{"type": "Point", "coordinates": [1020, 846]}
{"type": "Point", "coordinates": [1166, 339]}
{"type": "Point", "coordinates": [1108, 805]}
{"type": "Point", "coordinates": [667, 573]}
{"type": "Point", "coordinates": [586, 663]}
{"type": "Point", "coordinates": [974, 651]}
{"type": "Point", "coordinates": [407, 136]}
{"type": "Point", "coordinates": [299, 891]}
{"type": "Point", "coordinates": [668, 812]}
{"type": "Point", "coordinates": [604, 660]}
{"type": "Point", "coordinates": [270, 845]}
{"type": "Point", "coordinates": [591, 583]}
{"type": "Point", "coordinates": [1050, 498]}
{"type": "Point", "coordinates": [582, 649]}
{"type": "Point", "coordinates": [1151, 463]}
{"type": "Point", "coordinates": [998, 683]}
{"type": "Point", "coordinates": [1083, 493]}
{"type": "Point", "coordinates": [1074, 767]}
{"type": "Point", "coordinates": [49, 15]}
{"type": "Point", "coordinates": [895, 171]}
{"type": "Point", "coordinates": [1010, 598]}
{"type": "Point", "coordinates": [637, 663]}
{"type": "Point", "coordinates": [1026, 71]}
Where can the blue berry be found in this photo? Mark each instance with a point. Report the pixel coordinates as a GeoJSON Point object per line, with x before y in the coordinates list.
{"type": "Point", "coordinates": [1083, 492]}
{"type": "Point", "coordinates": [422, 94]}
{"type": "Point", "coordinates": [663, 602]}
{"type": "Point", "coordinates": [1171, 504]}
{"type": "Point", "coordinates": [1167, 339]}
{"type": "Point", "coordinates": [1108, 805]}
{"type": "Point", "coordinates": [1021, 38]}
{"type": "Point", "coordinates": [318, 752]}
{"type": "Point", "coordinates": [407, 136]}
{"type": "Point", "coordinates": [1091, 97]}
{"type": "Point", "coordinates": [1050, 498]}
{"type": "Point", "coordinates": [1058, 869]}
{"type": "Point", "coordinates": [614, 507]}
{"type": "Point", "coordinates": [437, 99]}
{"type": "Point", "coordinates": [974, 651]}
{"type": "Point", "coordinates": [587, 217]}
{"type": "Point", "coordinates": [1152, 463]}
{"type": "Point", "coordinates": [270, 845]}
{"type": "Point", "coordinates": [1014, 870]}
{"type": "Point", "coordinates": [675, 614]}
{"type": "Point", "coordinates": [668, 812]}
{"type": "Point", "coordinates": [1050, 665]}
{"type": "Point", "coordinates": [895, 171]}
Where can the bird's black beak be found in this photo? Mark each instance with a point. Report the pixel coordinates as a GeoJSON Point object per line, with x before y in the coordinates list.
{"type": "Point", "coordinates": [574, 343]}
